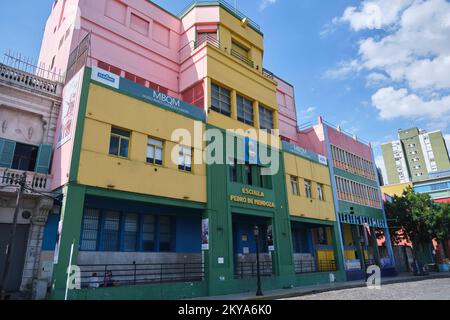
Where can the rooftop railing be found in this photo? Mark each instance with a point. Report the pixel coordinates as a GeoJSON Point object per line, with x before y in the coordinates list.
{"type": "Point", "coordinates": [238, 14]}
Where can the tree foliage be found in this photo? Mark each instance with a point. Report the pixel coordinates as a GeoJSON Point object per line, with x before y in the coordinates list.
{"type": "Point", "coordinates": [414, 217]}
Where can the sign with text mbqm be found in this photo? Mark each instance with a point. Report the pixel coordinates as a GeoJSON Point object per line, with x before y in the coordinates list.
{"type": "Point", "coordinates": [146, 94]}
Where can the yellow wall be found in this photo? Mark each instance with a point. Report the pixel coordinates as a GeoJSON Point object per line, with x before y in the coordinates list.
{"type": "Point", "coordinates": [230, 27]}
{"type": "Point", "coordinates": [302, 206]}
{"type": "Point", "coordinates": [97, 168]}
{"type": "Point", "coordinates": [395, 189]}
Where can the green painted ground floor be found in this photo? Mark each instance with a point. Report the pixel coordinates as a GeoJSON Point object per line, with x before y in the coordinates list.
{"type": "Point", "coordinates": [129, 246]}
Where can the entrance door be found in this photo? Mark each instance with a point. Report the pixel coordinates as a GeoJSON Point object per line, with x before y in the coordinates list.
{"type": "Point", "coordinates": [18, 257]}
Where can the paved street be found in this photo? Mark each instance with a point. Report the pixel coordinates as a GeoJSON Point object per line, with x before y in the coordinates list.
{"type": "Point", "coordinates": [437, 289]}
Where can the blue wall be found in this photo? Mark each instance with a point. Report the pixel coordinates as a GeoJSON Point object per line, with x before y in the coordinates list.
{"type": "Point", "coordinates": [188, 234]}
{"type": "Point", "coordinates": [50, 233]}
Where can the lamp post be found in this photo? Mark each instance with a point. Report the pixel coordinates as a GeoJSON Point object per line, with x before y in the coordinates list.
{"type": "Point", "coordinates": [258, 273]}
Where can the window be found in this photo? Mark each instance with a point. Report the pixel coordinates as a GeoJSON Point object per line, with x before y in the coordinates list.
{"type": "Point", "coordinates": [130, 230]}
{"type": "Point", "coordinates": [308, 189]}
{"type": "Point", "coordinates": [119, 143]}
{"type": "Point", "coordinates": [320, 192]}
{"type": "Point", "coordinates": [164, 234]}
{"type": "Point", "coordinates": [245, 110]}
{"type": "Point", "coordinates": [294, 186]}
{"type": "Point", "coordinates": [220, 100]}
{"type": "Point", "coordinates": [108, 67]}
{"type": "Point", "coordinates": [24, 157]}
{"type": "Point", "coordinates": [265, 118]}
{"type": "Point", "coordinates": [154, 151]}
{"type": "Point", "coordinates": [111, 226]}
{"type": "Point", "coordinates": [148, 233]}
{"type": "Point", "coordinates": [185, 159]}
{"type": "Point", "coordinates": [53, 62]}
{"type": "Point", "coordinates": [89, 235]}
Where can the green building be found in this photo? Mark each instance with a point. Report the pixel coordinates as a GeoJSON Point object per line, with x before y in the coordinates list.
{"type": "Point", "coordinates": [415, 155]}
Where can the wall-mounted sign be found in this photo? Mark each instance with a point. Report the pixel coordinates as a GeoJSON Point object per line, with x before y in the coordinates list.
{"type": "Point", "coordinates": [354, 264]}
{"type": "Point", "coordinates": [155, 97]}
{"type": "Point", "coordinates": [256, 202]}
{"type": "Point", "coordinates": [105, 77]}
{"type": "Point", "coordinates": [302, 152]}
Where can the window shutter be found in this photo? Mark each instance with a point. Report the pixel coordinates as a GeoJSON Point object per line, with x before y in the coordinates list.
{"type": "Point", "coordinates": [43, 159]}
{"type": "Point", "coordinates": [7, 148]}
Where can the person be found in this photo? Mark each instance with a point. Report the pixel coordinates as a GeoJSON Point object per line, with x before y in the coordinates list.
{"type": "Point", "coordinates": [108, 281]}
{"type": "Point", "coordinates": [93, 281]}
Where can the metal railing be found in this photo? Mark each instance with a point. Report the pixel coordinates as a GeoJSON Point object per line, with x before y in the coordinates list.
{"type": "Point", "coordinates": [95, 275]}
{"type": "Point", "coordinates": [29, 66]}
{"type": "Point", "coordinates": [311, 266]}
{"type": "Point", "coordinates": [226, 6]}
{"type": "Point", "coordinates": [268, 74]}
{"type": "Point", "coordinates": [36, 181]}
{"type": "Point", "coordinates": [249, 269]}
{"type": "Point", "coordinates": [243, 58]}
{"type": "Point", "coordinates": [347, 133]}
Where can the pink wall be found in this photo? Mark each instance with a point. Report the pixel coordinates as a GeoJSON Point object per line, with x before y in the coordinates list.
{"type": "Point", "coordinates": [135, 36]}
{"type": "Point", "coordinates": [349, 144]}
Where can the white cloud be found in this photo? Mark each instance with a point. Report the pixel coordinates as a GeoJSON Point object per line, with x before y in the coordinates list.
{"type": "Point", "coordinates": [374, 14]}
{"type": "Point", "coordinates": [392, 103]}
{"type": "Point", "coordinates": [344, 70]}
{"type": "Point", "coordinates": [310, 109]}
{"type": "Point", "coordinates": [265, 3]}
{"type": "Point", "coordinates": [376, 78]}
{"type": "Point", "coordinates": [412, 53]}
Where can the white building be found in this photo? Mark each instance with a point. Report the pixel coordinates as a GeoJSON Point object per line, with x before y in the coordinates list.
{"type": "Point", "coordinates": [29, 108]}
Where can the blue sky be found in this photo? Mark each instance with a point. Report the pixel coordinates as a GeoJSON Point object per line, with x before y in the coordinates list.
{"type": "Point", "coordinates": [357, 63]}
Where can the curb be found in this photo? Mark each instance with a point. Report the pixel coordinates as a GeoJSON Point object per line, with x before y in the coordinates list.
{"type": "Point", "coordinates": [345, 287]}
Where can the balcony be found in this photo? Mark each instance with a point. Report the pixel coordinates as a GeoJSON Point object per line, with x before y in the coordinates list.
{"type": "Point", "coordinates": [28, 81]}
{"type": "Point", "coordinates": [191, 48]}
{"type": "Point", "coordinates": [37, 182]}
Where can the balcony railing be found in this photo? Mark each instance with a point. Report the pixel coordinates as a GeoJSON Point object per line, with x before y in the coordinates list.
{"type": "Point", "coordinates": [96, 275]}
{"type": "Point", "coordinates": [9, 180]}
{"type": "Point", "coordinates": [225, 5]}
{"type": "Point", "coordinates": [268, 74]}
{"type": "Point", "coordinates": [249, 269]}
{"type": "Point", "coordinates": [311, 266]}
{"type": "Point", "coordinates": [29, 81]}
{"type": "Point", "coordinates": [243, 58]}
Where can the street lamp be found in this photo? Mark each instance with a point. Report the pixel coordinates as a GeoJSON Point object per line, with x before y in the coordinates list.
{"type": "Point", "coordinates": [258, 273]}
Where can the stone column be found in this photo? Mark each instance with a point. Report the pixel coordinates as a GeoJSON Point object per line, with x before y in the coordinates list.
{"type": "Point", "coordinates": [32, 259]}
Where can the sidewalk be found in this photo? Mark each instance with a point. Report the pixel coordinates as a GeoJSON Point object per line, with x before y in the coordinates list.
{"type": "Point", "coordinates": [307, 290]}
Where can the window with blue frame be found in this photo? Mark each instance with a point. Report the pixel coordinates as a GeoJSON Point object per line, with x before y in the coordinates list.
{"type": "Point", "coordinates": [148, 233]}
{"type": "Point", "coordinates": [90, 230]}
{"type": "Point", "coordinates": [129, 232]}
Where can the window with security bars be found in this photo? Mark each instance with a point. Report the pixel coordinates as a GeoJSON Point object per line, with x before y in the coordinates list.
{"type": "Point", "coordinates": [220, 99]}
{"type": "Point", "coordinates": [148, 233]}
{"type": "Point", "coordinates": [89, 235]}
{"type": "Point", "coordinates": [265, 118]}
{"type": "Point", "coordinates": [154, 151]}
{"type": "Point", "coordinates": [245, 110]}
{"type": "Point", "coordinates": [320, 194]}
{"type": "Point", "coordinates": [111, 227]}
{"type": "Point", "coordinates": [164, 234]}
{"type": "Point", "coordinates": [130, 232]}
